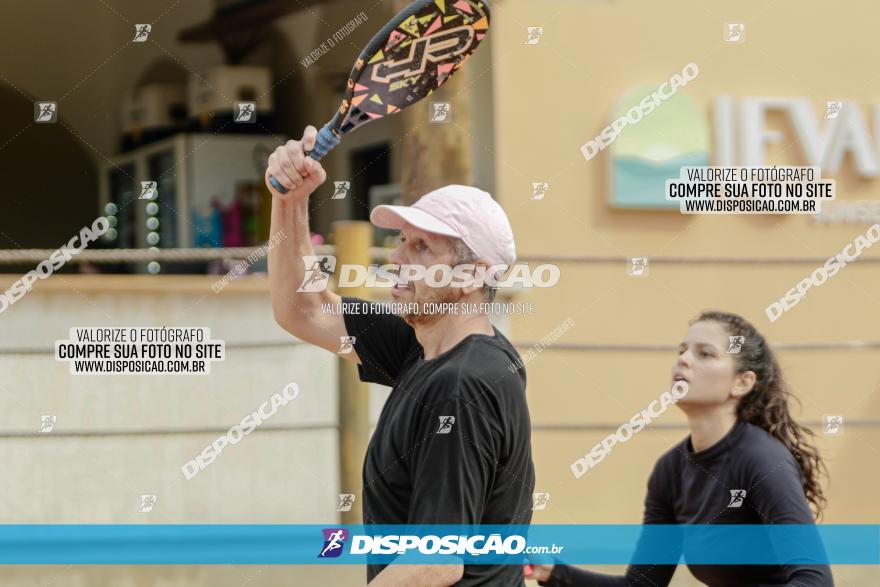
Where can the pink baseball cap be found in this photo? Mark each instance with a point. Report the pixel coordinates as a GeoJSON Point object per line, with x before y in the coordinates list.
{"type": "Point", "coordinates": [458, 211]}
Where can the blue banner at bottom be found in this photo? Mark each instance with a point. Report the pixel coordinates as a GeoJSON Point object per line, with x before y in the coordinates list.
{"type": "Point", "coordinates": [298, 544]}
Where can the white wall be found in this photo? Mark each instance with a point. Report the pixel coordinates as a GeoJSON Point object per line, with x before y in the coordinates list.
{"type": "Point", "coordinates": [120, 436]}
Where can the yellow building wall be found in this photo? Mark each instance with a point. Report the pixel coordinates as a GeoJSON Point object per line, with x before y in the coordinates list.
{"type": "Point", "coordinates": [554, 96]}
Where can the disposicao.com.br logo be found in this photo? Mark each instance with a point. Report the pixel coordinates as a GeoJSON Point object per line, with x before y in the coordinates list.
{"type": "Point", "coordinates": [334, 540]}
{"type": "Point", "coordinates": [319, 268]}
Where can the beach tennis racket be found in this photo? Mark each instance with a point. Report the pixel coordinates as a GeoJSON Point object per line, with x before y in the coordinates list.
{"type": "Point", "coordinates": [413, 55]}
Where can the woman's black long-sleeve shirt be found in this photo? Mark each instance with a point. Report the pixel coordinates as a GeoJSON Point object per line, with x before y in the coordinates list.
{"type": "Point", "coordinates": [748, 477]}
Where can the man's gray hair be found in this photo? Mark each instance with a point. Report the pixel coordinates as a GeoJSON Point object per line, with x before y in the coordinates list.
{"type": "Point", "coordinates": [462, 254]}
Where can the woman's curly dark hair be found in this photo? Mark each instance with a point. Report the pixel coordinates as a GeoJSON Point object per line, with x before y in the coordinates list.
{"type": "Point", "coordinates": [767, 406]}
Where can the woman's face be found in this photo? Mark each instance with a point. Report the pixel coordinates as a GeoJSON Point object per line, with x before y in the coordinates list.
{"type": "Point", "coordinates": [709, 370]}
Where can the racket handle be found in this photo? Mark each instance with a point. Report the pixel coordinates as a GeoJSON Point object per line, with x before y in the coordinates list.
{"type": "Point", "coordinates": [325, 143]}
{"type": "Point", "coordinates": [277, 185]}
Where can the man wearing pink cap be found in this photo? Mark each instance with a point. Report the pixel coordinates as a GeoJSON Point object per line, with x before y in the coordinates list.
{"type": "Point", "coordinates": [453, 442]}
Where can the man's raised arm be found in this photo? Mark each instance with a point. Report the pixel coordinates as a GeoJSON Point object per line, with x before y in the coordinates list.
{"type": "Point", "coordinates": [299, 312]}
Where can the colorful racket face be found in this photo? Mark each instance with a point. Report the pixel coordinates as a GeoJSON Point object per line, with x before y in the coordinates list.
{"type": "Point", "coordinates": [413, 55]}
{"type": "Point", "coordinates": [410, 57]}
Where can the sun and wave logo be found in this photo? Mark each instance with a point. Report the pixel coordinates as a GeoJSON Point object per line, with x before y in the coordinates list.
{"type": "Point", "coordinates": [646, 154]}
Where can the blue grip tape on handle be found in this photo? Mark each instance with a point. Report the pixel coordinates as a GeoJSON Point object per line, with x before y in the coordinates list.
{"type": "Point", "coordinates": [325, 143]}
{"type": "Point", "coordinates": [277, 185]}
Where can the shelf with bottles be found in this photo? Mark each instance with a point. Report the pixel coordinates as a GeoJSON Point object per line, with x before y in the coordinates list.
{"type": "Point", "coordinates": [244, 222]}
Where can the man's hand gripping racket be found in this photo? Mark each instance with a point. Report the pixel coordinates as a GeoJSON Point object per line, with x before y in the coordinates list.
{"type": "Point", "coordinates": [414, 54]}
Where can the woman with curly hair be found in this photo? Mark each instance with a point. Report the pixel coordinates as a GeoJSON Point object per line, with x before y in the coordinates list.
{"type": "Point", "coordinates": [746, 461]}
